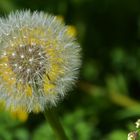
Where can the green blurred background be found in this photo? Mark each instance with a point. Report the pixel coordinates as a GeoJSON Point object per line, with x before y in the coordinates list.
{"type": "Point", "coordinates": [106, 101]}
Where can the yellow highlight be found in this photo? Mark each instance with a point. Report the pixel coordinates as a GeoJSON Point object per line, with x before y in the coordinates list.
{"type": "Point", "coordinates": [71, 30]}
{"type": "Point", "coordinates": [20, 114]}
{"type": "Point", "coordinates": [6, 73]}
{"type": "Point", "coordinates": [48, 87]}
{"type": "Point", "coordinates": [4, 59]}
{"type": "Point", "coordinates": [55, 72]}
{"type": "Point", "coordinates": [29, 36]}
{"type": "Point", "coordinates": [28, 90]}
{"type": "Point", "coordinates": [36, 108]}
{"type": "Point", "coordinates": [25, 89]}
{"type": "Point", "coordinates": [60, 18]}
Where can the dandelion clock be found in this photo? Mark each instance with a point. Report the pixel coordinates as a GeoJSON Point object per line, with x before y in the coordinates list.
{"type": "Point", "coordinates": [39, 61]}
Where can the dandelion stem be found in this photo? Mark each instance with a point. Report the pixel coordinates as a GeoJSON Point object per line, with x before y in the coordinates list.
{"type": "Point", "coordinates": [54, 122]}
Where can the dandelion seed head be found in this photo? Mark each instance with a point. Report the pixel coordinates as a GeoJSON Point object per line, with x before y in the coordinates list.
{"type": "Point", "coordinates": [132, 136]}
{"type": "Point", "coordinates": [39, 60]}
{"type": "Point", "coordinates": [138, 123]}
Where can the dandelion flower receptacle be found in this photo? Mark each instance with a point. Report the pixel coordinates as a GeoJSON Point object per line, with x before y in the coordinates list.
{"type": "Point", "coordinates": [39, 60]}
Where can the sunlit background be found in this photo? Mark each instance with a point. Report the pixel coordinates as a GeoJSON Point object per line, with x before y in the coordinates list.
{"type": "Point", "coordinates": [106, 101]}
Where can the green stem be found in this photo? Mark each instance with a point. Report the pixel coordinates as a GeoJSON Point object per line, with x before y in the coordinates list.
{"type": "Point", "coordinates": [52, 118]}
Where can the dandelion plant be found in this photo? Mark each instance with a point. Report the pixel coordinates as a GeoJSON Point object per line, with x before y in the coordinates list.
{"type": "Point", "coordinates": [39, 62]}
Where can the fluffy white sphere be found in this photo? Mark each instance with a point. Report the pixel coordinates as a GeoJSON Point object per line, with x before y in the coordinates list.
{"type": "Point", "coordinates": [39, 60]}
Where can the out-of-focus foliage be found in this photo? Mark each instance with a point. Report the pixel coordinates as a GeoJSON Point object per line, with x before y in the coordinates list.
{"type": "Point", "coordinates": [107, 98]}
{"type": "Point", "coordinates": [11, 127]}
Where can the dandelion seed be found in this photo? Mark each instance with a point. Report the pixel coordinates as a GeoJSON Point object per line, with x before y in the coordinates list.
{"type": "Point", "coordinates": [13, 54]}
{"type": "Point", "coordinates": [20, 45]}
{"type": "Point", "coordinates": [31, 60]}
{"type": "Point", "coordinates": [20, 67]}
{"type": "Point", "coordinates": [22, 56]}
{"type": "Point", "coordinates": [39, 53]}
{"type": "Point", "coordinates": [24, 37]}
{"type": "Point", "coordinates": [4, 53]}
{"type": "Point", "coordinates": [28, 70]}
{"type": "Point", "coordinates": [30, 50]}
{"type": "Point", "coordinates": [36, 60]}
